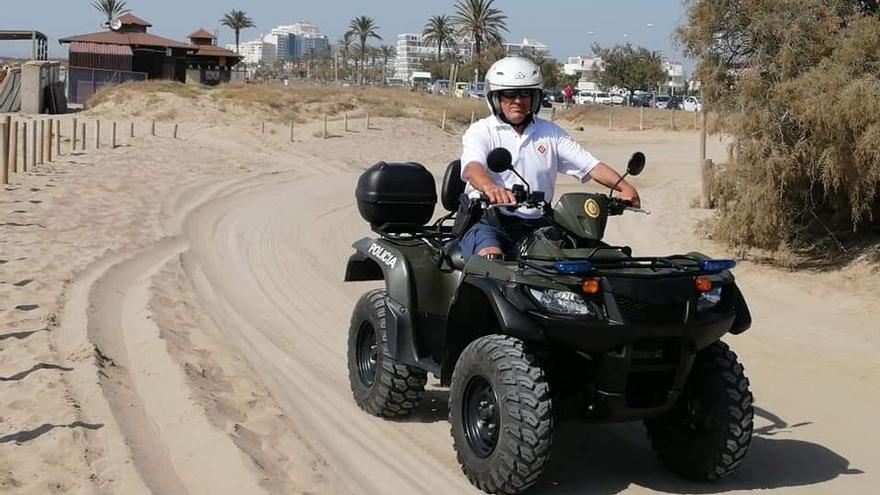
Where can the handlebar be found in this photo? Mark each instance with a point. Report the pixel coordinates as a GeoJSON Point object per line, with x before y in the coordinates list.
{"type": "Point", "coordinates": [615, 206]}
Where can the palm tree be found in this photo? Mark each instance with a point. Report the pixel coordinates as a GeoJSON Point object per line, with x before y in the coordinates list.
{"type": "Point", "coordinates": [481, 22]}
{"type": "Point", "coordinates": [363, 27]}
{"type": "Point", "coordinates": [387, 51]}
{"type": "Point", "coordinates": [344, 45]}
{"type": "Point", "coordinates": [439, 31]}
{"type": "Point", "coordinates": [110, 8]}
{"type": "Point", "coordinates": [237, 20]}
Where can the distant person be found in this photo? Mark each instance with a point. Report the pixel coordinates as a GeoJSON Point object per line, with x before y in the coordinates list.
{"type": "Point", "coordinates": [567, 93]}
{"type": "Point", "coordinates": [540, 149]}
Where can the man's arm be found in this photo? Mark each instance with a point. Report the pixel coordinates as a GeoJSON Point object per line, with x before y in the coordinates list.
{"type": "Point", "coordinates": [607, 176]}
{"type": "Point", "coordinates": [478, 176]}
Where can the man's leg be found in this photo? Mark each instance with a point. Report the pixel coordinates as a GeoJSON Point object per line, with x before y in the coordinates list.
{"type": "Point", "coordinates": [483, 239]}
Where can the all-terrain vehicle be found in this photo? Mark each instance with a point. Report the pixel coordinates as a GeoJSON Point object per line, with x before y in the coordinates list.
{"type": "Point", "coordinates": [563, 327]}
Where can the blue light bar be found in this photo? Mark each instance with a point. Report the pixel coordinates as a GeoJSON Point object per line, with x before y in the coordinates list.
{"type": "Point", "coordinates": [716, 265]}
{"type": "Point", "coordinates": [573, 267]}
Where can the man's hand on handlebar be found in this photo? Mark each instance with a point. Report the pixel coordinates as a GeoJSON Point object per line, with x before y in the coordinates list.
{"type": "Point", "coordinates": [498, 194]}
{"type": "Point", "coordinates": [629, 195]}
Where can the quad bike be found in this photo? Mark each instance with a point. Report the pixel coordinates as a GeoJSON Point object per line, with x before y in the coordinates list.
{"type": "Point", "coordinates": [563, 327]}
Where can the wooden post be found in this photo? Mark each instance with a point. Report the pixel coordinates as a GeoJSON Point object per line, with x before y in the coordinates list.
{"type": "Point", "coordinates": [324, 132]}
{"type": "Point", "coordinates": [4, 152]}
{"type": "Point", "coordinates": [703, 134]}
{"type": "Point", "coordinates": [58, 137]}
{"type": "Point", "coordinates": [473, 115]}
{"type": "Point", "coordinates": [41, 149]}
{"type": "Point", "coordinates": [113, 137]}
{"type": "Point", "coordinates": [175, 131]}
{"type": "Point", "coordinates": [611, 118]}
{"type": "Point", "coordinates": [368, 120]}
{"type": "Point", "coordinates": [82, 130]}
{"type": "Point", "coordinates": [345, 121]}
{"type": "Point", "coordinates": [264, 128]}
{"type": "Point", "coordinates": [131, 132]}
{"type": "Point", "coordinates": [696, 113]}
{"type": "Point", "coordinates": [291, 131]}
{"type": "Point", "coordinates": [443, 122]}
{"type": "Point", "coordinates": [672, 119]}
{"type": "Point", "coordinates": [641, 118]}
{"type": "Point", "coordinates": [553, 114]}
{"type": "Point", "coordinates": [708, 175]}
{"type": "Point", "coordinates": [24, 146]}
{"type": "Point", "coordinates": [153, 129]}
{"type": "Point", "coordinates": [74, 134]}
{"type": "Point", "coordinates": [50, 137]}
{"type": "Point", "coordinates": [97, 134]}
{"type": "Point", "coordinates": [34, 146]}
{"type": "Point", "coordinates": [13, 148]}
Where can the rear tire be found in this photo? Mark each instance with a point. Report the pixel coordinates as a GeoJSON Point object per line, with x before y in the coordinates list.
{"type": "Point", "coordinates": [709, 434]}
{"type": "Point", "coordinates": [381, 386]}
{"type": "Point", "coordinates": [501, 415]}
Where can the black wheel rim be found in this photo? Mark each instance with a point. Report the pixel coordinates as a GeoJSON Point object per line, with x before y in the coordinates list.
{"type": "Point", "coordinates": [480, 416]}
{"type": "Point", "coordinates": [367, 354]}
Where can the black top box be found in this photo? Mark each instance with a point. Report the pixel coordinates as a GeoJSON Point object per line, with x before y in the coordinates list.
{"type": "Point", "coordinates": [396, 193]}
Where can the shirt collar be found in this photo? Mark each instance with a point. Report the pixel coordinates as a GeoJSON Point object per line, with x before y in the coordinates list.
{"type": "Point", "coordinates": [498, 124]}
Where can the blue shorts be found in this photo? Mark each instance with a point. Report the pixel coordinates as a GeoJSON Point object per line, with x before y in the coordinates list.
{"type": "Point", "coordinates": [504, 234]}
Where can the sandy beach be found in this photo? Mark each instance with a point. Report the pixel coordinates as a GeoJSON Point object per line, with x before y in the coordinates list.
{"type": "Point", "coordinates": [174, 321]}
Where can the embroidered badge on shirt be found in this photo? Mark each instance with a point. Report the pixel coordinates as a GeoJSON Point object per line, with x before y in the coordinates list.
{"type": "Point", "coordinates": [542, 149]}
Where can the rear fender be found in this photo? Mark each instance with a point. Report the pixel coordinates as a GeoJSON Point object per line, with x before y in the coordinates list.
{"type": "Point", "coordinates": [376, 259]}
{"type": "Point", "coordinates": [485, 306]}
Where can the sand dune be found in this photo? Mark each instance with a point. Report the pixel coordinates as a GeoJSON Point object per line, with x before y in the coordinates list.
{"type": "Point", "coordinates": [175, 322]}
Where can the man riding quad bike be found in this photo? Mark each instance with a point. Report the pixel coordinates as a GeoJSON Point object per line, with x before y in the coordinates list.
{"type": "Point", "coordinates": [560, 326]}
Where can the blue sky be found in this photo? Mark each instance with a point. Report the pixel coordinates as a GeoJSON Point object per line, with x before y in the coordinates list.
{"type": "Point", "coordinates": [564, 25]}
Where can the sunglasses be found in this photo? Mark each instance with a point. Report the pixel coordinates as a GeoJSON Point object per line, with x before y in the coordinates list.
{"type": "Point", "coordinates": [513, 93]}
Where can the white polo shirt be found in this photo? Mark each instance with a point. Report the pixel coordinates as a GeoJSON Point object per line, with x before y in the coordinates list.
{"type": "Point", "coordinates": [541, 152]}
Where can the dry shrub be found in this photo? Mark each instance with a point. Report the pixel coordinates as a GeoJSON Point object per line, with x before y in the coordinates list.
{"type": "Point", "coordinates": [119, 93]}
{"type": "Point", "coordinates": [798, 82]}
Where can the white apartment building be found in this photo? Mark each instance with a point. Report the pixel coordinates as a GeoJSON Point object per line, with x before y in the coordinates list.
{"type": "Point", "coordinates": [283, 42]}
{"type": "Point", "coordinates": [527, 47]}
{"type": "Point", "coordinates": [254, 52]}
{"type": "Point", "coordinates": [588, 69]}
{"type": "Point", "coordinates": [675, 81]}
{"type": "Point", "coordinates": [300, 29]}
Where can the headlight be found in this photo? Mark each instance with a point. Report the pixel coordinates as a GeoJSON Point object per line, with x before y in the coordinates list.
{"type": "Point", "coordinates": [560, 301]}
{"type": "Point", "coordinates": [709, 299]}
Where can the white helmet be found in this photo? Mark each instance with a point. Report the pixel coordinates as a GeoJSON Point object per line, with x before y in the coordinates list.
{"type": "Point", "coordinates": [513, 73]}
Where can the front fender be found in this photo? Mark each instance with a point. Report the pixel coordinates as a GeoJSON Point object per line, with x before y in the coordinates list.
{"type": "Point", "coordinates": [484, 306]}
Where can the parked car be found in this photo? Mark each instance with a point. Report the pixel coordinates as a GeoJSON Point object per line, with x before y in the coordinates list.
{"type": "Point", "coordinates": [692, 104]}
{"type": "Point", "coordinates": [674, 102]}
{"type": "Point", "coordinates": [460, 89]}
{"type": "Point", "coordinates": [660, 101]}
{"type": "Point", "coordinates": [617, 99]}
{"type": "Point", "coordinates": [477, 90]}
{"type": "Point", "coordinates": [641, 99]}
{"type": "Point", "coordinates": [583, 97]}
{"type": "Point", "coordinates": [554, 95]}
{"type": "Point", "coordinates": [602, 99]}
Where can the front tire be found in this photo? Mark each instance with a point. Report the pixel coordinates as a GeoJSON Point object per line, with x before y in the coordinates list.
{"type": "Point", "coordinates": [501, 415]}
{"type": "Point", "coordinates": [709, 434]}
{"type": "Point", "coordinates": [381, 386]}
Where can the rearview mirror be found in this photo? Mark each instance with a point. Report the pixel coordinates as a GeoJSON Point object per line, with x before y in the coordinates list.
{"type": "Point", "coordinates": [499, 160]}
{"type": "Point", "coordinates": [636, 163]}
